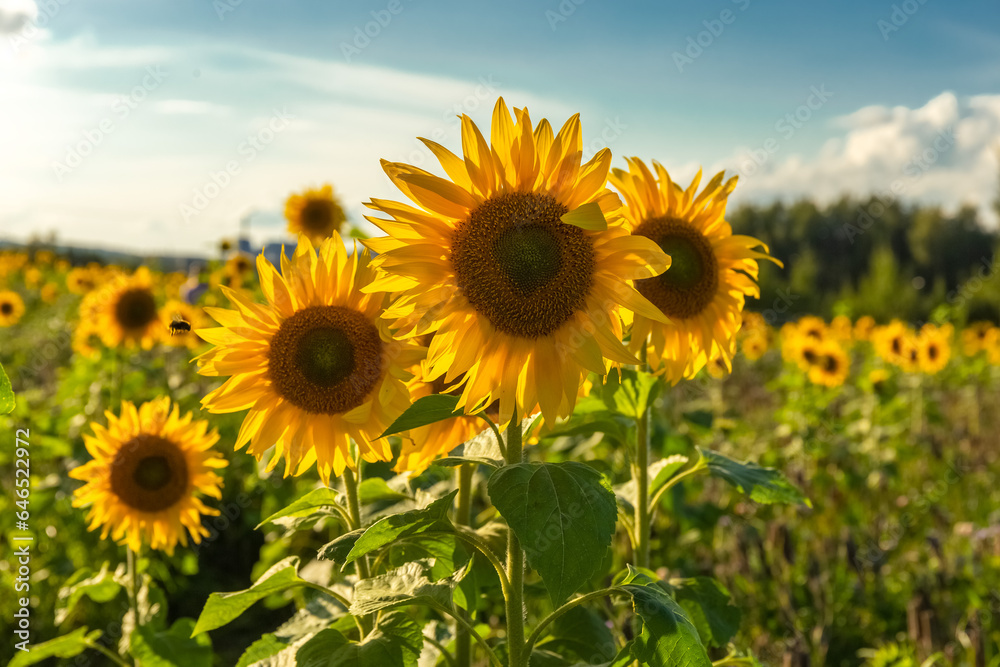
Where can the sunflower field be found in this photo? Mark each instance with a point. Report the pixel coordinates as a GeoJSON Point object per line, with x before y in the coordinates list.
{"type": "Point", "coordinates": [558, 414]}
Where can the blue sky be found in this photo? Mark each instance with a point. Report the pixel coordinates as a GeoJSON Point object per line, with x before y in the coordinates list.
{"type": "Point", "coordinates": [831, 98]}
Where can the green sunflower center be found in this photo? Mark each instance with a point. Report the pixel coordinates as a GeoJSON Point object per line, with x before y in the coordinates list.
{"type": "Point", "coordinates": [325, 356]}
{"type": "Point", "coordinates": [136, 308]}
{"type": "Point", "coordinates": [152, 473]}
{"type": "Point", "coordinates": [149, 473]}
{"type": "Point", "coordinates": [521, 266]}
{"type": "Point", "coordinates": [690, 284]}
{"type": "Point", "coordinates": [326, 359]}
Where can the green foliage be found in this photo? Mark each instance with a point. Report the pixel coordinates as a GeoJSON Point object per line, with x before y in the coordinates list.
{"type": "Point", "coordinates": [176, 647]}
{"type": "Point", "coordinates": [763, 485]}
{"type": "Point", "coordinates": [425, 411]}
{"type": "Point", "coordinates": [6, 393]}
{"type": "Point", "coordinates": [564, 515]}
{"type": "Point", "coordinates": [66, 646]}
{"type": "Point", "coordinates": [222, 608]}
{"type": "Point", "coordinates": [395, 526]}
{"type": "Point", "coordinates": [668, 637]}
{"type": "Point", "coordinates": [708, 604]}
{"type": "Point", "coordinates": [396, 641]}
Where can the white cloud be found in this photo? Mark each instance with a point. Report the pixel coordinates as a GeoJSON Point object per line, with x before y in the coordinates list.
{"type": "Point", "coordinates": [14, 14]}
{"type": "Point", "coordinates": [942, 153]}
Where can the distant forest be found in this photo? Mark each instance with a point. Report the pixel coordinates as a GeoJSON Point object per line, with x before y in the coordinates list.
{"type": "Point", "coordinates": [873, 257]}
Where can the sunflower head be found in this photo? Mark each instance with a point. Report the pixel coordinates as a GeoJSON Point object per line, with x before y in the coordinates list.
{"type": "Point", "coordinates": [829, 365]}
{"type": "Point", "coordinates": [712, 271]}
{"type": "Point", "coordinates": [519, 261]}
{"type": "Point", "coordinates": [149, 466]}
{"type": "Point", "coordinates": [316, 214]}
{"type": "Point", "coordinates": [315, 365]}
{"type": "Point", "coordinates": [81, 280]}
{"type": "Point", "coordinates": [933, 347]}
{"type": "Point", "coordinates": [11, 308]}
{"type": "Point", "coordinates": [122, 312]}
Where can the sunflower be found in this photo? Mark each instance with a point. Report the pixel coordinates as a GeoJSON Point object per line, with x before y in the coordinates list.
{"type": "Point", "coordinates": [755, 345]}
{"type": "Point", "coordinates": [934, 347]}
{"type": "Point", "coordinates": [11, 308]}
{"type": "Point", "coordinates": [804, 351]}
{"type": "Point", "coordinates": [49, 292]}
{"type": "Point", "coordinates": [122, 312]}
{"type": "Point", "coordinates": [863, 327]}
{"type": "Point", "coordinates": [813, 327]}
{"type": "Point", "coordinates": [80, 280]}
{"type": "Point", "coordinates": [895, 343]}
{"type": "Point", "coordinates": [712, 271]}
{"type": "Point", "coordinates": [974, 337]}
{"type": "Point", "coordinates": [831, 365]}
{"type": "Point", "coordinates": [315, 214]}
{"type": "Point", "coordinates": [518, 261]}
{"type": "Point", "coordinates": [315, 365]}
{"type": "Point", "coordinates": [841, 328]}
{"type": "Point", "coordinates": [238, 266]}
{"type": "Point", "coordinates": [148, 466]}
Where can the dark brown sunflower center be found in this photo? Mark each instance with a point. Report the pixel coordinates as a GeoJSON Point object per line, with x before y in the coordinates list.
{"type": "Point", "coordinates": [897, 345]}
{"type": "Point", "coordinates": [520, 266]}
{"type": "Point", "coordinates": [317, 216]}
{"type": "Point", "coordinates": [830, 364]}
{"type": "Point", "coordinates": [689, 285]}
{"type": "Point", "coordinates": [149, 473]}
{"type": "Point", "coordinates": [135, 309]}
{"type": "Point", "coordinates": [326, 359]}
{"type": "Point", "coordinates": [809, 356]}
{"type": "Point", "coordinates": [7, 308]}
{"type": "Point", "coordinates": [932, 352]}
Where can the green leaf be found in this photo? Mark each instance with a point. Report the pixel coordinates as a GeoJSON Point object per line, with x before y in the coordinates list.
{"type": "Point", "coordinates": [221, 608]}
{"type": "Point", "coordinates": [100, 588]}
{"type": "Point", "coordinates": [763, 485]}
{"type": "Point", "coordinates": [409, 584]}
{"type": "Point", "coordinates": [389, 529]}
{"type": "Point", "coordinates": [702, 418]}
{"type": "Point", "coordinates": [66, 646]}
{"type": "Point", "coordinates": [175, 647]}
{"type": "Point", "coordinates": [424, 411]}
{"type": "Point", "coordinates": [266, 647]}
{"type": "Point", "coordinates": [454, 461]}
{"type": "Point", "coordinates": [708, 604]}
{"type": "Point", "coordinates": [278, 649]}
{"type": "Point", "coordinates": [581, 634]}
{"type": "Point", "coordinates": [396, 642]}
{"type": "Point", "coordinates": [307, 504]}
{"type": "Point", "coordinates": [631, 393]}
{"type": "Point", "coordinates": [375, 489]}
{"type": "Point", "coordinates": [668, 637]}
{"type": "Point", "coordinates": [6, 393]}
{"type": "Point", "coordinates": [338, 550]}
{"type": "Point", "coordinates": [564, 515]}
{"type": "Point", "coordinates": [589, 217]}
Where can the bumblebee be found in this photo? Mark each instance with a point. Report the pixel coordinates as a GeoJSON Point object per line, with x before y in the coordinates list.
{"type": "Point", "coordinates": [179, 326]}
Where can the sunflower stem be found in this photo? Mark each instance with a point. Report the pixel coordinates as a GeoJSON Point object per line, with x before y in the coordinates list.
{"type": "Point", "coordinates": [351, 483]}
{"type": "Point", "coordinates": [640, 475]}
{"type": "Point", "coordinates": [463, 517]}
{"type": "Point", "coordinates": [515, 561]}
